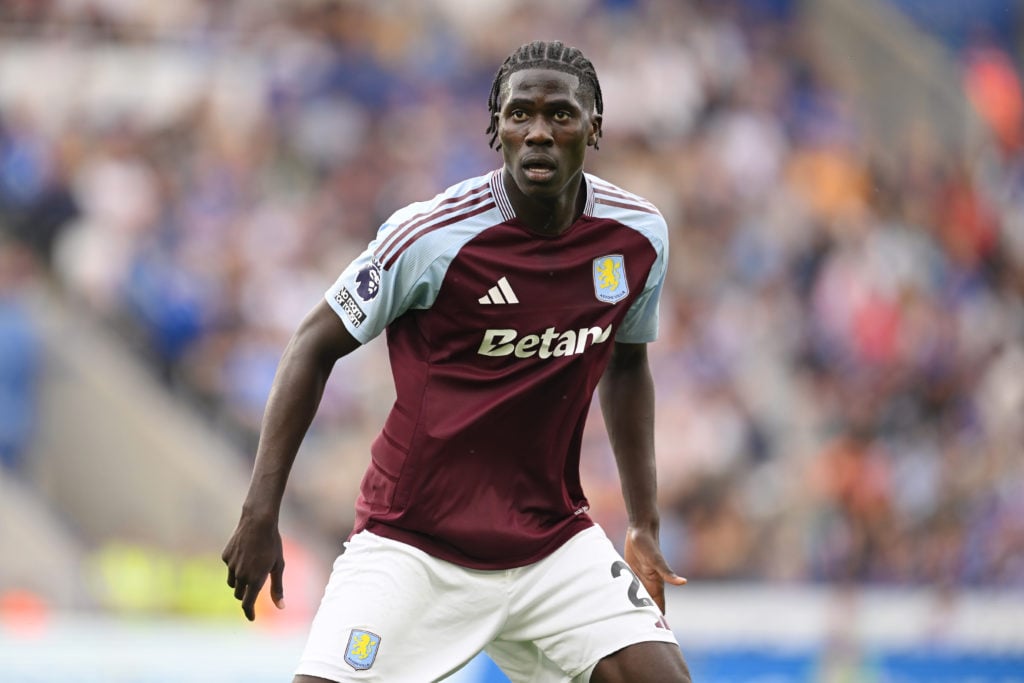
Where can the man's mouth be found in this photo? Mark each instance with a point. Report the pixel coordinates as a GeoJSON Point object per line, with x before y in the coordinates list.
{"type": "Point", "coordinates": [539, 169]}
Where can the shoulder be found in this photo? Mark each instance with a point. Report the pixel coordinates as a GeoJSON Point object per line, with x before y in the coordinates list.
{"type": "Point", "coordinates": [614, 203]}
{"type": "Point", "coordinates": [469, 192]}
{"type": "Point", "coordinates": [468, 204]}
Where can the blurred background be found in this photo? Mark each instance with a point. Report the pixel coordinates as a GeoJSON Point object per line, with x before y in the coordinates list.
{"type": "Point", "coordinates": [840, 372]}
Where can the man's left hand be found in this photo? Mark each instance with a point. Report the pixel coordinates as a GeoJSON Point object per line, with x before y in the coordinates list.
{"type": "Point", "coordinates": [644, 557]}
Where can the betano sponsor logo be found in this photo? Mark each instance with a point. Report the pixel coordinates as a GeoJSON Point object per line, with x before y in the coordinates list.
{"type": "Point", "coordinates": [547, 344]}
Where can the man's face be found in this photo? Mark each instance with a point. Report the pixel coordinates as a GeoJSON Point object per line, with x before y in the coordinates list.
{"type": "Point", "coordinates": [545, 129]}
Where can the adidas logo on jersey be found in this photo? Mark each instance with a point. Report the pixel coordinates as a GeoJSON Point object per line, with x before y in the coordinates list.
{"type": "Point", "coordinates": [500, 293]}
{"type": "Point", "coordinates": [548, 344]}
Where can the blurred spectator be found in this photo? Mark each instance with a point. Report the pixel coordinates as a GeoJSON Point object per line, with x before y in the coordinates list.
{"type": "Point", "coordinates": [992, 83]}
{"type": "Point", "coordinates": [20, 363]}
{"type": "Point", "coordinates": [838, 374]}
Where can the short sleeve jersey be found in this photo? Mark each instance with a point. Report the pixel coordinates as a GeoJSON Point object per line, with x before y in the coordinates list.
{"type": "Point", "coordinates": [497, 338]}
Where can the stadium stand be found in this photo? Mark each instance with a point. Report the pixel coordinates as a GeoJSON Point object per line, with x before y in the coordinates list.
{"type": "Point", "coordinates": [839, 369]}
{"type": "Point", "coordinates": [220, 165]}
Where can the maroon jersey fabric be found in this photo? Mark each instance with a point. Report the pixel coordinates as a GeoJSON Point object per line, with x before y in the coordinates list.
{"type": "Point", "coordinates": [497, 338]}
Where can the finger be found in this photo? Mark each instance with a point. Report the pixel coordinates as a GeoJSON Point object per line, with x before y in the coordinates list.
{"type": "Point", "coordinates": [669, 576]}
{"type": "Point", "coordinates": [240, 587]}
{"type": "Point", "coordinates": [249, 605]}
{"type": "Point", "coordinates": [231, 577]}
{"type": "Point", "coordinates": [675, 579]}
{"type": "Point", "coordinates": [665, 573]}
{"type": "Point", "coordinates": [249, 601]}
{"type": "Point", "coordinates": [657, 593]}
{"type": "Point", "coordinates": [277, 585]}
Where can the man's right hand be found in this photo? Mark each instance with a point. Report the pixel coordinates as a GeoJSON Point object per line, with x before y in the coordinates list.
{"type": "Point", "coordinates": [254, 552]}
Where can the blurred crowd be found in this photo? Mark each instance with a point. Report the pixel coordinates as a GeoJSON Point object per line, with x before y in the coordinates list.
{"type": "Point", "coordinates": [840, 372]}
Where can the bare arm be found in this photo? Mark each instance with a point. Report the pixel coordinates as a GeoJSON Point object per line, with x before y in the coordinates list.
{"type": "Point", "coordinates": [254, 550]}
{"type": "Point", "coordinates": [627, 402]}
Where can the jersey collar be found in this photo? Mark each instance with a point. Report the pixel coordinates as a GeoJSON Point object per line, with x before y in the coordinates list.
{"type": "Point", "coordinates": [508, 213]}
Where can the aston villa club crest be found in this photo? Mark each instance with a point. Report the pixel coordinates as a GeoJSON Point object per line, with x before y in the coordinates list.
{"type": "Point", "coordinates": [361, 650]}
{"type": "Point", "coordinates": [610, 283]}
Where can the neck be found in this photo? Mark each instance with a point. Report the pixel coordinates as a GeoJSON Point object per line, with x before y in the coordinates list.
{"type": "Point", "coordinates": [547, 215]}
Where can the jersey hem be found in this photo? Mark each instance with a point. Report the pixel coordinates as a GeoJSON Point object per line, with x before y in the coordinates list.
{"type": "Point", "coordinates": [442, 551]}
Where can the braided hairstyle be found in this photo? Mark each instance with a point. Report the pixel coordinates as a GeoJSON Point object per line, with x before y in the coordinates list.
{"type": "Point", "coordinates": [544, 55]}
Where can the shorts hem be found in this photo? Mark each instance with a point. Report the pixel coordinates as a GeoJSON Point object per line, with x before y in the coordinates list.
{"type": "Point", "coordinates": [320, 670]}
{"type": "Point", "coordinates": [614, 646]}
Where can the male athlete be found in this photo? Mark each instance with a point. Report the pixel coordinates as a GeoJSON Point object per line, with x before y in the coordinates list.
{"type": "Point", "coordinates": [505, 300]}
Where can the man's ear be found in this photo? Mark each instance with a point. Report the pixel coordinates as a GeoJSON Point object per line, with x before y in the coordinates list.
{"type": "Point", "coordinates": [495, 123]}
{"type": "Point", "coordinates": [595, 130]}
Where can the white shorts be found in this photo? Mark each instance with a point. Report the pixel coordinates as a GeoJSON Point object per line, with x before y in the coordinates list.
{"type": "Point", "coordinates": [394, 613]}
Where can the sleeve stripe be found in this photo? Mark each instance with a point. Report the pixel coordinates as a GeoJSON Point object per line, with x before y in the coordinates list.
{"type": "Point", "coordinates": [406, 228]}
{"type": "Point", "coordinates": [482, 205]}
{"type": "Point", "coordinates": [602, 199]}
{"type": "Point", "coordinates": [611, 191]}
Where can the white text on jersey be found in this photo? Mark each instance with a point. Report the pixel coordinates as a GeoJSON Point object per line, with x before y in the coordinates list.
{"type": "Point", "coordinates": [549, 344]}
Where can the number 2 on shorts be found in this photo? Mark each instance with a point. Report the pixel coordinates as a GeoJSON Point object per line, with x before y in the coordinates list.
{"type": "Point", "coordinates": [634, 586]}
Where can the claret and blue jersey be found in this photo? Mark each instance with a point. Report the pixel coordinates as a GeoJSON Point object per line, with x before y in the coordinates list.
{"type": "Point", "coordinates": [497, 338]}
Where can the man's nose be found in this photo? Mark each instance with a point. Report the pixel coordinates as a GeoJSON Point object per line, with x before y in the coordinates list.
{"type": "Point", "coordinates": [539, 132]}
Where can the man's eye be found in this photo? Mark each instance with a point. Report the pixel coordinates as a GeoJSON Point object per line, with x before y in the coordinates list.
{"type": "Point", "coordinates": [562, 116]}
{"type": "Point", "coordinates": [517, 115]}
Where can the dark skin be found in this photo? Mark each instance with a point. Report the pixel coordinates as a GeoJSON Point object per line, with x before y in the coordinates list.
{"type": "Point", "coordinates": [545, 128]}
{"type": "Point", "coordinates": [254, 551]}
{"type": "Point", "coordinates": [626, 394]}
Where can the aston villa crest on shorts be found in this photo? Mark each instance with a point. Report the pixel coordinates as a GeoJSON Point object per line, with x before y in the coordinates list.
{"type": "Point", "coordinates": [361, 649]}
{"type": "Point", "coordinates": [610, 278]}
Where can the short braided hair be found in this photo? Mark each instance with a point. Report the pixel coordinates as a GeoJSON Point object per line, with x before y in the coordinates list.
{"type": "Point", "coordinates": [544, 55]}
